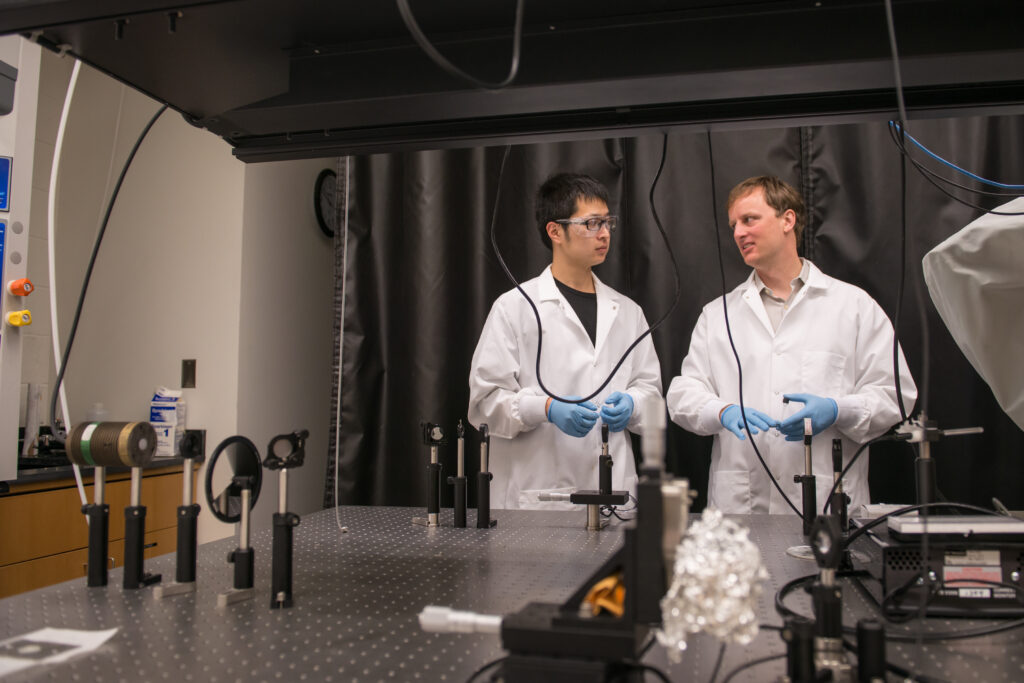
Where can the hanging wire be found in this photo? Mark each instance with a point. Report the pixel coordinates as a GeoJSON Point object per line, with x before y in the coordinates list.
{"type": "Point", "coordinates": [443, 62]}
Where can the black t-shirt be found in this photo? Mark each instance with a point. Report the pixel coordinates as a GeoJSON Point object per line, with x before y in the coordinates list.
{"type": "Point", "coordinates": [585, 305]}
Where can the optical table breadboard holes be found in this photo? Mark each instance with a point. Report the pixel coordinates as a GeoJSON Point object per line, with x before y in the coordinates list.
{"type": "Point", "coordinates": [358, 595]}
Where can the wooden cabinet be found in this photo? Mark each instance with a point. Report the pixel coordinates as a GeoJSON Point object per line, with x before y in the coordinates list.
{"type": "Point", "coordinates": [44, 535]}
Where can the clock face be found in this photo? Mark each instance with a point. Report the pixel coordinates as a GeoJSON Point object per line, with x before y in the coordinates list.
{"type": "Point", "coordinates": [325, 200]}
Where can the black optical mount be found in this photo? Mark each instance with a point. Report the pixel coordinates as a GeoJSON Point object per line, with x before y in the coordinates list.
{"type": "Point", "coordinates": [193, 447]}
{"type": "Point", "coordinates": [135, 575]}
{"type": "Point", "coordinates": [458, 482]}
{"type": "Point", "coordinates": [604, 495]}
{"type": "Point", "coordinates": [839, 502]}
{"type": "Point", "coordinates": [483, 483]}
{"type": "Point", "coordinates": [285, 452]}
{"type": "Point", "coordinates": [243, 557]}
{"type": "Point", "coordinates": [550, 643]}
{"type": "Point", "coordinates": [814, 649]}
{"type": "Point", "coordinates": [98, 514]}
{"type": "Point", "coordinates": [433, 436]}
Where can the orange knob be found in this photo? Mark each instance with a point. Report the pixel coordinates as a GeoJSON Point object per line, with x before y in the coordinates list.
{"type": "Point", "coordinates": [20, 287]}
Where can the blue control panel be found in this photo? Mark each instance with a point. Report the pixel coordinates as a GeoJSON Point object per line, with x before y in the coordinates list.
{"type": "Point", "coordinates": [5, 183]}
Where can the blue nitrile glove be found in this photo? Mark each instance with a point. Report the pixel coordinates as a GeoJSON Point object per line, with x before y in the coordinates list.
{"type": "Point", "coordinates": [732, 419]}
{"type": "Point", "coordinates": [822, 411]}
{"type": "Point", "coordinates": [575, 419]}
{"type": "Point", "coordinates": [616, 411]}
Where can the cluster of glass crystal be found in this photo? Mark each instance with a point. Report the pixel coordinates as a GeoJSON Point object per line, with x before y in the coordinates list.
{"type": "Point", "coordinates": [716, 585]}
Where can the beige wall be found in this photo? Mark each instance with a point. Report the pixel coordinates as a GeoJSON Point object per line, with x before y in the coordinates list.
{"type": "Point", "coordinates": [284, 377]}
{"type": "Point", "coordinates": [203, 258]}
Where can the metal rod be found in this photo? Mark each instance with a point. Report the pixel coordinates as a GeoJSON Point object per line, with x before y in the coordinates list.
{"type": "Point", "coordinates": [136, 490]}
{"type": "Point", "coordinates": [461, 457]}
{"type": "Point", "coordinates": [808, 433]}
{"type": "Point", "coordinates": [433, 454]}
{"type": "Point", "coordinates": [963, 431]}
{"type": "Point", "coordinates": [99, 479]}
{"type": "Point", "coordinates": [186, 495]}
{"type": "Point", "coordinates": [282, 492]}
{"type": "Point", "coordinates": [243, 541]}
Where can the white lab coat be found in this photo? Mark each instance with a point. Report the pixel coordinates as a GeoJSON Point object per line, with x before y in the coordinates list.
{"type": "Point", "coordinates": [528, 454]}
{"type": "Point", "coordinates": [834, 341]}
{"type": "Point", "coordinates": [976, 279]}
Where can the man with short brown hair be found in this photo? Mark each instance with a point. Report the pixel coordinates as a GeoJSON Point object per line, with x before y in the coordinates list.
{"type": "Point", "coordinates": [823, 345]}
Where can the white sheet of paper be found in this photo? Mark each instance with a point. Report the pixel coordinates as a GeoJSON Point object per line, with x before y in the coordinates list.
{"type": "Point", "coordinates": [48, 646]}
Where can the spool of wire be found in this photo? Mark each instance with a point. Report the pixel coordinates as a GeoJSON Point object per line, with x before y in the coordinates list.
{"type": "Point", "coordinates": [111, 444]}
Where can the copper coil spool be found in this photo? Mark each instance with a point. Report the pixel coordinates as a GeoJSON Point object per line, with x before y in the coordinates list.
{"type": "Point", "coordinates": [111, 444]}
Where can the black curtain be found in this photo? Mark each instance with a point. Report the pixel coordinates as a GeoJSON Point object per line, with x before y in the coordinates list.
{"type": "Point", "coordinates": [421, 277]}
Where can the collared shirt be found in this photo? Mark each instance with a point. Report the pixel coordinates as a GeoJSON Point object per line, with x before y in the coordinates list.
{"type": "Point", "coordinates": [776, 306]}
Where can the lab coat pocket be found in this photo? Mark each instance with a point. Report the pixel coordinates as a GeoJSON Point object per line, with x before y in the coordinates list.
{"type": "Point", "coordinates": [730, 491]}
{"type": "Point", "coordinates": [821, 373]}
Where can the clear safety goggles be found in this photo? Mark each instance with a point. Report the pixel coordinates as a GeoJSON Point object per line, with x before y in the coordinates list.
{"type": "Point", "coordinates": [590, 227]}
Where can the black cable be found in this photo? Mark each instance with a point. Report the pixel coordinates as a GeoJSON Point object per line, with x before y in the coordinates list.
{"type": "Point", "coordinates": [89, 269]}
{"type": "Point", "coordinates": [897, 635]}
{"type": "Point", "coordinates": [901, 287]}
{"type": "Point", "coordinates": [647, 646]}
{"type": "Point", "coordinates": [897, 77]}
{"type": "Point", "coordinates": [728, 330]}
{"type": "Point", "coordinates": [906, 155]}
{"type": "Point", "coordinates": [421, 39]}
{"type": "Point", "coordinates": [911, 508]}
{"type": "Point", "coordinates": [489, 665]}
{"type": "Point", "coordinates": [849, 465]}
{"type": "Point", "coordinates": [911, 637]}
{"type": "Point", "coordinates": [790, 586]}
{"type": "Point", "coordinates": [905, 674]}
{"type": "Point", "coordinates": [941, 178]}
{"type": "Point", "coordinates": [886, 605]}
{"type": "Point", "coordinates": [533, 306]}
{"type": "Point", "coordinates": [750, 665]}
{"type": "Point", "coordinates": [718, 663]}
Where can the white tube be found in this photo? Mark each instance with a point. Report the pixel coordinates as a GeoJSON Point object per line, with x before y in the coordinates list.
{"type": "Point", "coordinates": [52, 260]}
{"type": "Point", "coordinates": [341, 357]}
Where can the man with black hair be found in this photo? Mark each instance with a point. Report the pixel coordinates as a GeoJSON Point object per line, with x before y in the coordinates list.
{"type": "Point", "coordinates": [810, 346]}
{"type": "Point", "coordinates": [540, 444]}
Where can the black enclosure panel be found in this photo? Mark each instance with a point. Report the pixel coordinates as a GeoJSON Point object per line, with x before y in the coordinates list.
{"type": "Point", "coordinates": [307, 78]}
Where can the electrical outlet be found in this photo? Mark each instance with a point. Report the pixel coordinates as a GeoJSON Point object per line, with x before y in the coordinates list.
{"type": "Point", "coordinates": [188, 373]}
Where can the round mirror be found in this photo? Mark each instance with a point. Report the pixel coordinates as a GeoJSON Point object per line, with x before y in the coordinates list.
{"type": "Point", "coordinates": [240, 459]}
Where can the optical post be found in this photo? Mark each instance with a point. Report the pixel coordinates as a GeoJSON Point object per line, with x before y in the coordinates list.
{"type": "Point", "coordinates": [459, 480]}
{"type": "Point", "coordinates": [483, 483]}
{"type": "Point", "coordinates": [192, 446]}
{"type": "Point", "coordinates": [243, 557]}
{"type": "Point", "coordinates": [594, 500]}
{"type": "Point", "coordinates": [839, 501]}
{"type": "Point", "coordinates": [135, 575]}
{"type": "Point", "coordinates": [433, 436]}
{"type": "Point", "coordinates": [292, 448]}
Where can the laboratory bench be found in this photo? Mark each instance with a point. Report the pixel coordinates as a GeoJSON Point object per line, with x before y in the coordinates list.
{"type": "Point", "coordinates": [357, 594]}
{"type": "Point", "coordinates": [43, 534]}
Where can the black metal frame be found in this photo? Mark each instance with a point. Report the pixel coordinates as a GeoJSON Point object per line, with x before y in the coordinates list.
{"type": "Point", "coordinates": [307, 79]}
